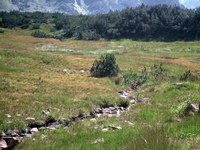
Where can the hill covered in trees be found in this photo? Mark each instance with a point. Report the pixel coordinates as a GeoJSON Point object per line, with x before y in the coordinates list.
{"type": "Point", "coordinates": [161, 22]}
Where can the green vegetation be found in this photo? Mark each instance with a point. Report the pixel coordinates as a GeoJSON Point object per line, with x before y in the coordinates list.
{"type": "Point", "coordinates": [105, 67]}
{"type": "Point", "coordinates": [160, 23]}
{"type": "Point", "coordinates": [41, 73]}
{"type": "Point", "coordinates": [187, 75]}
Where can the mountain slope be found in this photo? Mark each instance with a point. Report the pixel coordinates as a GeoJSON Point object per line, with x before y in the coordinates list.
{"type": "Point", "coordinates": [77, 6]}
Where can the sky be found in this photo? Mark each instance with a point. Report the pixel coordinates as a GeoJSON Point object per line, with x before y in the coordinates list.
{"type": "Point", "coordinates": [190, 3]}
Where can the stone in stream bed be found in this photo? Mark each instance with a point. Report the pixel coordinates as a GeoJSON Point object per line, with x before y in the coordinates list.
{"type": "Point", "coordinates": [98, 110]}
{"type": "Point", "coordinates": [54, 126]}
{"type": "Point", "coordinates": [36, 125]}
{"type": "Point", "coordinates": [12, 142]}
{"type": "Point", "coordinates": [30, 119]}
{"type": "Point", "coordinates": [46, 112]}
{"type": "Point", "coordinates": [105, 129]}
{"type": "Point", "coordinates": [115, 127]}
{"type": "Point", "coordinates": [49, 120]}
{"type": "Point", "coordinates": [34, 130]}
{"type": "Point", "coordinates": [99, 140]}
{"type": "Point", "coordinates": [3, 144]}
{"type": "Point", "coordinates": [11, 133]}
{"type": "Point", "coordinates": [123, 94]}
{"type": "Point", "coordinates": [191, 108]}
{"type": "Point", "coordinates": [9, 116]}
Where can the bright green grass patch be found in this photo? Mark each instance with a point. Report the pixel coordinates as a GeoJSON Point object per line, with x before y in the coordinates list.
{"type": "Point", "coordinates": [10, 68]}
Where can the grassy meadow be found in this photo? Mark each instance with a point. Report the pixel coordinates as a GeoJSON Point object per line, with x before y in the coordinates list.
{"type": "Point", "coordinates": [32, 79]}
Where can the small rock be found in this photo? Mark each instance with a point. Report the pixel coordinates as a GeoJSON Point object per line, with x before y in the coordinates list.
{"type": "Point", "coordinates": [105, 129]}
{"type": "Point", "coordinates": [191, 108]}
{"type": "Point", "coordinates": [110, 115]}
{"type": "Point", "coordinates": [34, 130]}
{"type": "Point", "coordinates": [130, 123]}
{"type": "Point", "coordinates": [9, 116]}
{"type": "Point", "coordinates": [3, 134]}
{"type": "Point", "coordinates": [93, 120]}
{"type": "Point", "coordinates": [3, 144]}
{"type": "Point", "coordinates": [18, 139]}
{"type": "Point", "coordinates": [82, 71]}
{"type": "Point", "coordinates": [42, 128]}
{"type": "Point", "coordinates": [19, 115]}
{"type": "Point", "coordinates": [30, 119]}
{"type": "Point", "coordinates": [50, 120]}
{"type": "Point", "coordinates": [112, 108]}
{"type": "Point", "coordinates": [121, 108]}
{"type": "Point", "coordinates": [65, 70]}
{"type": "Point", "coordinates": [118, 113]}
{"type": "Point", "coordinates": [98, 115]}
{"type": "Point", "coordinates": [98, 110]}
{"type": "Point", "coordinates": [54, 126]}
{"type": "Point", "coordinates": [22, 134]}
{"type": "Point", "coordinates": [179, 84]}
{"type": "Point", "coordinates": [28, 135]}
{"type": "Point", "coordinates": [133, 101]}
{"type": "Point", "coordinates": [99, 140]}
{"type": "Point", "coordinates": [123, 94]}
{"type": "Point", "coordinates": [12, 142]}
{"type": "Point", "coordinates": [176, 120]}
{"type": "Point", "coordinates": [106, 110]}
{"type": "Point", "coordinates": [115, 127]}
{"type": "Point", "coordinates": [46, 112]}
{"type": "Point", "coordinates": [11, 133]}
{"type": "Point", "coordinates": [51, 128]}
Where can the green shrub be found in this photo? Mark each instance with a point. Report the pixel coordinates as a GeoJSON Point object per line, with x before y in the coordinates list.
{"type": "Point", "coordinates": [106, 104]}
{"type": "Point", "coordinates": [124, 103]}
{"type": "Point", "coordinates": [119, 80]}
{"type": "Point", "coordinates": [141, 80]}
{"type": "Point", "coordinates": [130, 77]}
{"type": "Point", "coordinates": [157, 71]}
{"type": "Point", "coordinates": [35, 26]}
{"type": "Point", "coordinates": [86, 35]}
{"type": "Point", "coordinates": [1, 30]}
{"type": "Point", "coordinates": [105, 67]}
{"type": "Point", "coordinates": [41, 34]}
{"type": "Point", "coordinates": [187, 75]}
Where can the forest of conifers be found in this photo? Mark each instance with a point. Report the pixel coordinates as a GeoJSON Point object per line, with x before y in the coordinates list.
{"type": "Point", "coordinates": [160, 23]}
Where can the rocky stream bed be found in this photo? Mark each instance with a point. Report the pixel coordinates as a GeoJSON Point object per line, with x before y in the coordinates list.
{"type": "Point", "coordinates": [11, 138]}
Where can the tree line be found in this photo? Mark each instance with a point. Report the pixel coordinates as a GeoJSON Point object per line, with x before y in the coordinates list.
{"type": "Point", "coordinates": [161, 22]}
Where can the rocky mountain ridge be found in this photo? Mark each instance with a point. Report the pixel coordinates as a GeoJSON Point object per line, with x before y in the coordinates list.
{"type": "Point", "coordinates": [75, 7]}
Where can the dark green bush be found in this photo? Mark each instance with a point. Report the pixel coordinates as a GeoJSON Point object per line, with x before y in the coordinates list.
{"type": "Point", "coordinates": [41, 34]}
{"type": "Point", "coordinates": [105, 67]}
{"type": "Point", "coordinates": [35, 26]}
{"type": "Point", "coordinates": [124, 103]}
{"type": "Point", "coordinates": [188, 75]}
{"type": "Point", "coordinates": [1, 30]}
{"type": "Point", "coordinates": [86, 35]}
